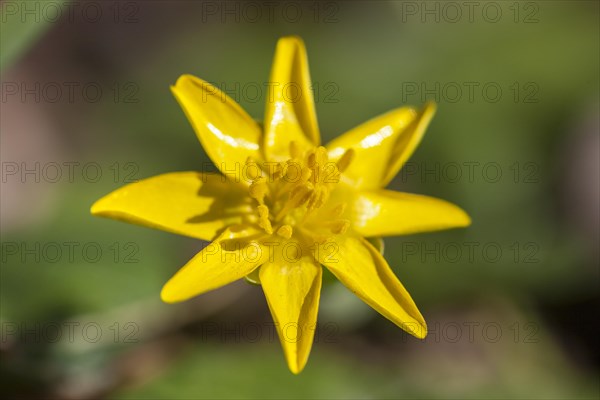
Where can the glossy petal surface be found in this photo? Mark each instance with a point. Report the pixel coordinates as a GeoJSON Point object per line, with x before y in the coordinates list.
{"type": "Point", "coordinates": [389, 213]}
{"type": "Point", "coordinates": [407, 142]}
{"type": "Point", "coordinates": [292, 288]}
{"type": "Point", "coordinates": [227, 133]}
{"type": "Point", "coordinates": [290, 110]}
{"type": "Point", "coordinates": [188, 203]}
{"type": "Point", "coordinates": [362, 269]}
{"type": "Point", "coordinates": [381, 145]}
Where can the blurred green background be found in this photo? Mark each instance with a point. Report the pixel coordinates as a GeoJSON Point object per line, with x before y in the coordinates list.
{"type": "Point", "coordinates": [511, 301]}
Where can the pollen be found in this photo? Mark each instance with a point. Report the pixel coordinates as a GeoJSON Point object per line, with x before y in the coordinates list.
{"type": "Point", "coordinates": [290, 193]}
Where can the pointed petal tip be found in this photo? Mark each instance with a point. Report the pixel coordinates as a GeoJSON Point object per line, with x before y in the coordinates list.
{"type": "Point", "coordinates": [185, 77]}
{"type": "Point", "coordinates": [417, 328]}
{"type": "Point", "coordinates": [167, 295]}
{"type": "Point", "coordinates": [430, 106]}
{"type": "Point", "coordinates": [98, 208]}
{"type": "Point", "coordinates": [459, 219]}
{"type": "Point", "coordinates": [290, 39]}
{"type": "Point", "coordinates": [467, 219]}
{"type": "Point", "coordinates": [296, 368]}
{"type": "Point", "coordinates": [462, 219]}
{"type": "Point", "coordinates": [94, 209]}
{"type": "Point", "coordinates": [188, 79]}
{"type": "Point", "coordinates": [421, 331]}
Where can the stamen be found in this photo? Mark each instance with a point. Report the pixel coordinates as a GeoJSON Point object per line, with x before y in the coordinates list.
{"type": "Point", "coordinates": [317, 158]}
{"type": "Point", "coordinates": [340, 226]}
{"type": "Point", "coordinates": [298, 196]}
{"type": "Point", "coordinates": [289, 193]}
{"type": "Point", "coordinates": [299, 192]}
{"type": "Point", "coordinates": [306, 174]}
{"type": "Point", "coordinates": [292, 171]}
{"type": "Point", "coordinates": [253, 170]}
{"type": "Point", "coordinates": [285, 231]}
{"type": "Point", "coordinates": [279, 171]}
{"type": "Point", "coordinates": [338, 211]}
{"type": "Point", "coordinates": [345, 160]}
{"type": "Point", "coordinates": [312, 200]}
{"type": "Point", "coordinates": [321, 155]}
{"type": "Point", "coordinates": [311, 160]}
{"type": "Point", "coordinates": [259, 189]}
{"type": "Point", "coordinates": [263, 219]}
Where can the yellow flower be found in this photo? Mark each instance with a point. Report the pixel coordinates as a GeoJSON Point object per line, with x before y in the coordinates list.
{"type": "Point", "coordinates": [286, 206]}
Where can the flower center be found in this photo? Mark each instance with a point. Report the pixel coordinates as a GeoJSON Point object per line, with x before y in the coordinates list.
{"type": "Point", "coordinates": [289, 192]}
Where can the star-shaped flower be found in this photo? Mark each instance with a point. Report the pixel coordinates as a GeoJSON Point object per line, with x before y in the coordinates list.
{"type": "Point", "coordinates": [284, 207]}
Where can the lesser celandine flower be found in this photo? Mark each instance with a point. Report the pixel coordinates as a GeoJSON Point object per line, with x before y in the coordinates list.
{"type": "Point", "coordinates": [285, 206]}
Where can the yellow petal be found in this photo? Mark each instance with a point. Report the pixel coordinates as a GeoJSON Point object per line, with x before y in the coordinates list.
{"type": "Point", "coordinates": [360, 267]}
{"type": "Point", "coordinates": [292, 288]}
{"type": "Point", "coordinates": [221, 262]}
{"type": "Point", "coordinates": [408, 141]}
{"type": "Point", "coordinates": [187, 203]}
{"type": "Point", "coordinates": [227, 133]}
{"type": "Point", "coordinates": [381, 145]}
{"type": "Point", "coordinates": [373, 143]}
{"type": "Point", "coordinates": [290, 111]}
{"type": "Point", "coordinates": [388, 213]}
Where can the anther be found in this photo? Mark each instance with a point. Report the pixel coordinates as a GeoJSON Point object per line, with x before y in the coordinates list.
{"type": "Point", "coordinates": [292, 171]}
{"type": "Point", "coordinates": [338, 210]}
{"type": "Point", "coordinates": [340, 227]}
{"type": "Point", "coordinates": [306, 174]}
{"type": "Point", "coordinates": [321, 197]}
{"type": "Point", "coordinates": [298, 196]}
{"type": "Point", "coordinates": [300, 190]}
{"type": "Point", "coordinates": [279, 171]}
{"type": "Point", "coordinates": [263, 219]}
{"type": "Point", "coordinates": [345, 160]}
{"type": "Point", "coordinates": [252, 169]}
{"type": "Point", "coordinates": [312, 200]}
{"type": "Point", "coordinates": [285, 231]}
{"type": "Point", "coordinates": [259, 189]}
{"type": "Point", "coordinates": [321, 155]}
{"type": "Point", "coordinates": [311, 161]}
